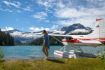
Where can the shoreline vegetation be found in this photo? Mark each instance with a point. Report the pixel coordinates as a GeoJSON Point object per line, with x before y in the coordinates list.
{"type": "Point", "coordinates": [55, 64]}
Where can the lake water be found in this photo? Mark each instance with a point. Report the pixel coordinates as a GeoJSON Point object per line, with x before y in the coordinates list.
{"type": "Point", "coordinates": [28, 52]}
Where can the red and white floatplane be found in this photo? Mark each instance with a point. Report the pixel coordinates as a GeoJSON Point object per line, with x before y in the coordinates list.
{"type": "Point", "coordinates": [96, 38]}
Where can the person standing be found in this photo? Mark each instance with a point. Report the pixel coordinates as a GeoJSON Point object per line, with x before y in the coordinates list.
{"type": "Point", "coordinates": [45, 43]}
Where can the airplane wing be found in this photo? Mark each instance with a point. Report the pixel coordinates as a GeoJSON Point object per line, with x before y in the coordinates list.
{"type": "Point", "coordinates": [59, 35]}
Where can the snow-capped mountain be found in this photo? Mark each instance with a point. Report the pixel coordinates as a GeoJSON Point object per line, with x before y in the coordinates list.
{"type": "Point", "coordinates": [76, 28]}
{"type": "Point", "coordinates": [78, 31]}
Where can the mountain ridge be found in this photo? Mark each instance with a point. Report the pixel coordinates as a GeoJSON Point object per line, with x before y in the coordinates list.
{"type": "Point", "coordinates": [21, 37]}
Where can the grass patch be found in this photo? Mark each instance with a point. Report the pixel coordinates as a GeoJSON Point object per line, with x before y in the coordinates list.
{"type": "Point", "coordinates": [60, 64]}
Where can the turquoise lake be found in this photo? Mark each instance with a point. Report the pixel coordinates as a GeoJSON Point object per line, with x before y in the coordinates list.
{"type": "Point", "coordinates": [28, 52]}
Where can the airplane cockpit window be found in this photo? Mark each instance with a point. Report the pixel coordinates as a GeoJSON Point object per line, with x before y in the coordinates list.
{"type": "Point", "coordinates": [68, 38]}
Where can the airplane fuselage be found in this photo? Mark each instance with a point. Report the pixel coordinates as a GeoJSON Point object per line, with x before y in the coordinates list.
{"type": "Point", "coordinates": [83, 40]}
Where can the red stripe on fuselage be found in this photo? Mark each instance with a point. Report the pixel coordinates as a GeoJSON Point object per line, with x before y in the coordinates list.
{"type": "Point", "coordinates": [72, 41]}
{"type": "Point", "coordinates": [77, 40]}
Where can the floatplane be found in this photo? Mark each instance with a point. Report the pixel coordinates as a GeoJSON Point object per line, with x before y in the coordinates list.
{"type": "Point", "coordinates": [94, 39]}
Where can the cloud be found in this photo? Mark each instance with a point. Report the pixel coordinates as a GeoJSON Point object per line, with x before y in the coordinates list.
{"type": "Point", "coordinates": [63, 12]}
{"type": "Point", "coordinates": [96, 3]}
{"type": "Point", "coordinates": [54, 27]}
{"type": "Point", "coordinates": [60, 4]}
{"type": "Point", "coordinates": [68, 13]}
{"type": "Point", "coordinates": [14, 4]}
{"type": "Point", "coordinates": [28, 8]}
{"type": "Point", "coordinates": [65, 22]}
{"type": "Point", "coordinates": [78, 12]}
{"type": "Point", "coordinates": [18, 6]}
{"type": "Point", "coordinates": [37, 29]}
{"type": "Point", "coordinates": [86, 17]}
{"type": "Point", "coordinates": [72, 12]}
{"type": "Point", "coordinates": [46, 3]}
{"type": "Point", "coordinates": [86, 21]}
{"type": "Point", "coordinates": [7, 28]}
{"type": "Point", "coordinates": [40, 15]}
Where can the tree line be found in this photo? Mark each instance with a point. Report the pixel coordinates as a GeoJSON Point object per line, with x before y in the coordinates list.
{"type": "Point", "coordinates": [6, 39]}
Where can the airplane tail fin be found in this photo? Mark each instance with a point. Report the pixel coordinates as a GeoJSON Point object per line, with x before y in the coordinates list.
{"type": "Point", "coordinates": [99, 29]}
{"type": "Point", "coordinates": [100, 25]}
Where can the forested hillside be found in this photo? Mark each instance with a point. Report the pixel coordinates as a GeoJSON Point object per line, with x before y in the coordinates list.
{"type": "Point", "coordinates": [6, 39]}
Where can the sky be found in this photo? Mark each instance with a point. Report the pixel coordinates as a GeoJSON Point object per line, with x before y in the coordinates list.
{"type": "Point", "coordinates": [36, 15]}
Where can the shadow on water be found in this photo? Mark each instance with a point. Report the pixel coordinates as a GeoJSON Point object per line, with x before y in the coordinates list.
{"type": "Point", "coordinates": [56, 60]}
